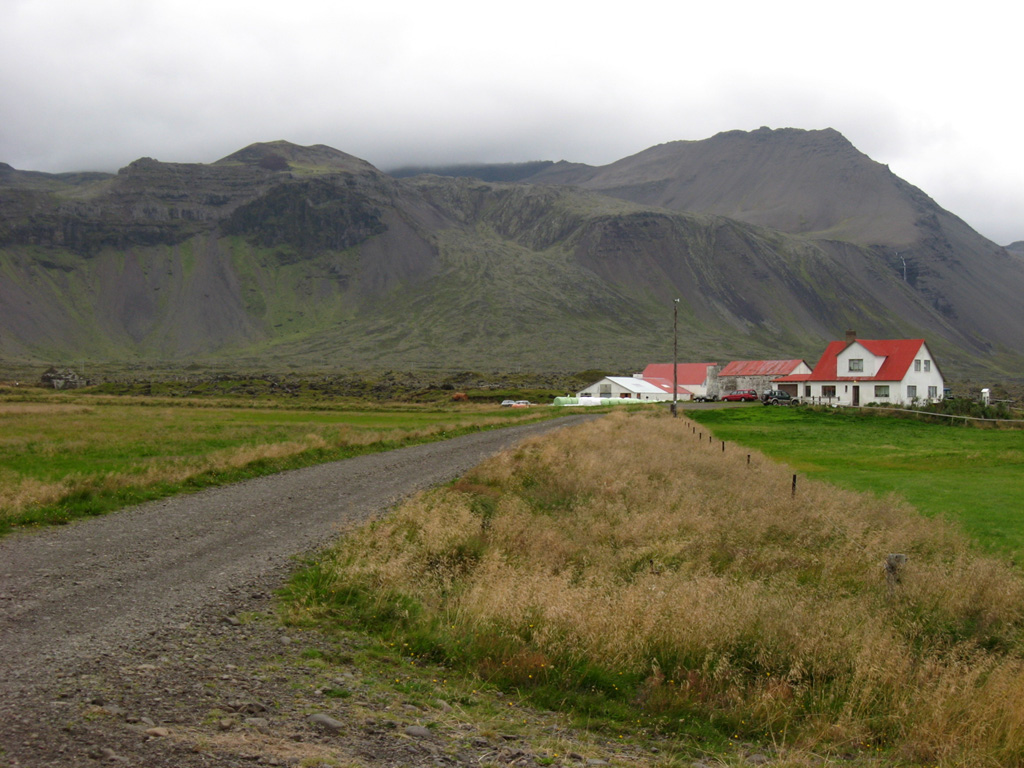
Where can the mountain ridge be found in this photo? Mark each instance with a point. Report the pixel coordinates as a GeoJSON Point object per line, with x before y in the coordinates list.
{"type": "Point", "coordinates": [281, 255]}
{"type": "Point", "coordinates": [744, 175]}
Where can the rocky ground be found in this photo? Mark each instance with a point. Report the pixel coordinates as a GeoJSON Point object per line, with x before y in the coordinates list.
{"type": "Point", "coordinates": [232, 686]}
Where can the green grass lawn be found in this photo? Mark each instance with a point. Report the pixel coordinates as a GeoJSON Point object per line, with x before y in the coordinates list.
{"type": "Point", "coordinates": [972, 475]}
{"type": "Point", "coordinates": [67, 455]}
{"type": "Point", "coordinates": [70, 439]}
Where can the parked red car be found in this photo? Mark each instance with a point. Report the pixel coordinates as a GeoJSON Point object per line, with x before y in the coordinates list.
{"type": "Point", "coordinates": [747, 395]}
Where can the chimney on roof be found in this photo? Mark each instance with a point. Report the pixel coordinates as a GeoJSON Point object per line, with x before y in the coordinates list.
{"type": "Point", "coordinates": [851, 336]}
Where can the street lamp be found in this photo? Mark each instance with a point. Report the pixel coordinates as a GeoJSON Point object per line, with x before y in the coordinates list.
{"type": "Point", "coordinates": [675, 355]}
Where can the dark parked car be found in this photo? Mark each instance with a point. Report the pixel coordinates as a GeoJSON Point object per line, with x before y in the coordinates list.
{"type": "Point", "coordinates": [705, 398]}
{"type": "Point", "coordinates": [747, 395]}
{"type": "Point", "coordinates": [777, 397]}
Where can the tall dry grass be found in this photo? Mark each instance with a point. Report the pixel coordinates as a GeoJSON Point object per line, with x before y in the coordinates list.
{"type": "Point", "coordinates": [630, 545]}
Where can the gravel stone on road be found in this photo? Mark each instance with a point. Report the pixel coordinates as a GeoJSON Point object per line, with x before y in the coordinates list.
{"type": "Point", "coordinates": [119, 633]}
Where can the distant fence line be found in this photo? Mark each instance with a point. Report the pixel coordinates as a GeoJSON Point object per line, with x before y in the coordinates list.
{"type": "Point", "coordinates": [942, 415]}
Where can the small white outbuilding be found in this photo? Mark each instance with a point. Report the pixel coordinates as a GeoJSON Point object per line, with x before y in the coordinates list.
{"type": "Point", "coordinates": [631, 388]}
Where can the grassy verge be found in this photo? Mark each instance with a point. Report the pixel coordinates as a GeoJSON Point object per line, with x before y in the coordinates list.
{"type": "Point", "coordinates": [64, 456]}
{"type": "Point", "coordinates": [965, 473]}
{"type": "Point", "coordinates": [648, 581]}
{"type": "Point", "coordinates": [389, 683]}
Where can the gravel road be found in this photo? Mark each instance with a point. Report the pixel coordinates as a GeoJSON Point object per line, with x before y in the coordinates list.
{"type": "Point", "coordinates": [113, 629]}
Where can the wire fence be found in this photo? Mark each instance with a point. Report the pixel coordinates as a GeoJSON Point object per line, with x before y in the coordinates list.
{"type": "Point", "coordinates": [940, 415]}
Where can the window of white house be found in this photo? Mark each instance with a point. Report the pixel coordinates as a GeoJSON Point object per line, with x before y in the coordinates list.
{"type": "Point", "coordinates": [933, 393]}
{"type": "Point", "coordinates": [856, 364]}
{"type": "Point", "coordinates": [917, 366]}
{"type": "Point", "coordinates": [927, 365]}
{"type": "Point", "coordinates": [827, 391]}
{"type": "Point", "coordinates": [911, 391]}
{"type": "Point", "coordinates": [807, 390]}
{"type": "Point", "coordinates": [881, 390]}
{"type": "Point", "coordinates": [606, 390]}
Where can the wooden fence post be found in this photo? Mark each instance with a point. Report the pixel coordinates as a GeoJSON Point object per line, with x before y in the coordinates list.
{"type": "Point", "coordinates": [894, 563]}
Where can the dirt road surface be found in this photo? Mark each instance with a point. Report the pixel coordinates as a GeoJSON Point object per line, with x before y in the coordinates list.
{"type": "Point", "coordinates": [118, 634]}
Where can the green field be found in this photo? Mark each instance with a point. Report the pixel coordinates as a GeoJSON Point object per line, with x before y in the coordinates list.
{"type": "Point", "coordinates": [972, 475]}
{"type": "Point", "coordinates": [64, 456]}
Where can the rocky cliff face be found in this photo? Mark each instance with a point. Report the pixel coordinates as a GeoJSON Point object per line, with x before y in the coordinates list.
{"type": "Point", "coordinates": [270, 191]}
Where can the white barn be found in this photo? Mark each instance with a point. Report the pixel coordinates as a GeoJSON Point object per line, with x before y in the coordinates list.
{"type": "Point", "coordinates": [633, 388]}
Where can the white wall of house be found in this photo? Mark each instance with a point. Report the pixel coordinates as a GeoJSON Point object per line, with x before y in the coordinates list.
{"type": "Point", "coordinates": [853, 392]}
{"type": "Point", "coordinates": [855, 360]}
{"type": "Point", "coordinates": [924, 385]}
{"type": "Point", "coordinates": [694, 390]}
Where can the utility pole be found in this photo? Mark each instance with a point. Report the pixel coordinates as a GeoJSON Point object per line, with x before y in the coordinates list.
{"type": "Point", "coordinates": [675, 355]}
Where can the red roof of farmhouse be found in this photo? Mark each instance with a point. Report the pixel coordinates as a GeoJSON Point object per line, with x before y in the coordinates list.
{"type": "Point", "coordinates": [760, 367]}
{"type": "Point", "coordinates": [899, 355]}
{"type": "Point", "coordinates": [694, 374]}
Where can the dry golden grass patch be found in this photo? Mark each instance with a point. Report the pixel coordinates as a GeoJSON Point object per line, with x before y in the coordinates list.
{"type": "Point", "coordinates": [46, 409]}
{"type": "Point", "coordinates": [242, 456]}
{"type": "Point", "coordinates": [630, 545]}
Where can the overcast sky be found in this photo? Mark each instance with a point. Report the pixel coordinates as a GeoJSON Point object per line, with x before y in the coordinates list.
{"type": "Point", "coordinates": [930, 88]}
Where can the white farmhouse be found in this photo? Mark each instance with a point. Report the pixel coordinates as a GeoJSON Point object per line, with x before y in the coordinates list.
{"type": "Point", "coordinates": [862, 371]}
